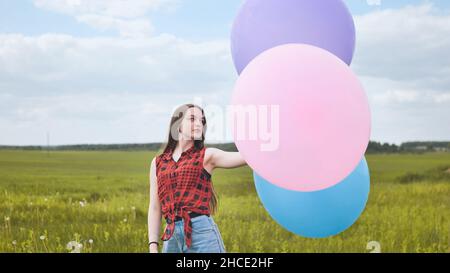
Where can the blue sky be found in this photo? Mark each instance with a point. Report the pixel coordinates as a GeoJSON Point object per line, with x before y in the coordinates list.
{"type": "Point", "coordinates": [194, 19]}
{"type": "Point", "coordinates": [90, 73]}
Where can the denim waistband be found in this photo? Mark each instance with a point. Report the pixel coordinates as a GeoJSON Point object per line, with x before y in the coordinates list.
{"type": "Point", "coordinates": [191, 214]}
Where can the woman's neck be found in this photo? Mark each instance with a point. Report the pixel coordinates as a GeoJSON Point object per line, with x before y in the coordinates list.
{"type": "Point", "coordinates": [184, 145]}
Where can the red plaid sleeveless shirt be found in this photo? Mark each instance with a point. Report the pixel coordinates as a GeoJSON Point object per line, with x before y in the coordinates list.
{"type": "Point", "coordinates": [183, 186]}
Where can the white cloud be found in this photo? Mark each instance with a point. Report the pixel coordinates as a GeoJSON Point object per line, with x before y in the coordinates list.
{"type": "Point", "coordinates": [442, 98]}
{"type": "Point", "coordinates": [63, 64]}
{"type": "Point", "coordinates": [401, 58]}
{"type": "Point", "coordinates": [408, 44]}
{"type": "Point", "coordinates": [126, 28]}
{"type": "Point", "coordinates": [112, 8]}
{"type": "Point", "coordinates": [398, 96]}
{"type": "Point", "coordinates": [129, 18]}
{"type": "Point", "coordinates": [122, 117]}
{"type": "Point", "coordinates": [104, 89]}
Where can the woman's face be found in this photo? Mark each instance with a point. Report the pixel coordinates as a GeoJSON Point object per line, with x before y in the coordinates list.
{"type": "Point", "coordinates": [192, 124]}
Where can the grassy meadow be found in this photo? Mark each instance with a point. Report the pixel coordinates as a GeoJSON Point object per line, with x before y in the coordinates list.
{"type": "Point", "coordinates": [100, 200]}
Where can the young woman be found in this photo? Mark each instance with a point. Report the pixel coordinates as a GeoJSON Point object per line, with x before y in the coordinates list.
{"type": "Point", "coordinates": [181, 188]}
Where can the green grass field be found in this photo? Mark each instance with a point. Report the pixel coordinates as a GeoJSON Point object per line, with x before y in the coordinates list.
{"type": "Point", "coordinates": [100, 200]}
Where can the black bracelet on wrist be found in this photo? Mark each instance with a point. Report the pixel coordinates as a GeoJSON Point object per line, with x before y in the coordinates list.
{"type": "Point", "coordinates": [154, 242]}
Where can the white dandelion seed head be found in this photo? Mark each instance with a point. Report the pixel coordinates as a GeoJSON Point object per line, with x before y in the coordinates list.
{"type": "Point", "coordinates": [74, 247]}
{"type": "Point", "coordinates": [42, 237]}
{"type": "Point", "coordinates": [14, 242]}
{"type": "Point", "coordinates": [82, 204]}
{"type": "Point", "coordinates": [91, 241]}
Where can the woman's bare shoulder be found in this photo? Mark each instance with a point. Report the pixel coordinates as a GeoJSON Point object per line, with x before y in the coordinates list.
{"type": "Point", "coordinates": [210, 152]}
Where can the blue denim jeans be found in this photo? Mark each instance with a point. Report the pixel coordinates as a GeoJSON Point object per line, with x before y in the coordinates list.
{"type": "Point", "coordinates": [206, 237]}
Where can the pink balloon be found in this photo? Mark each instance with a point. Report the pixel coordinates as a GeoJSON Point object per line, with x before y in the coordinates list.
{"type": "Point", "coordinates": [323, 124]}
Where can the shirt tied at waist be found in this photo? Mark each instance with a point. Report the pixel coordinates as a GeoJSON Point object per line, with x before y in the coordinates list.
{"type": "Point", "coordinates": [182, 212]}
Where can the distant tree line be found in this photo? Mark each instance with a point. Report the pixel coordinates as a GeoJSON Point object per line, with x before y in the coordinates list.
{"type": "Point", "coordinates": [408, 147]}
{"type": "Point", "coordinates": [111, 147]}
{"type": "Point", "coordinates": [374, 147]}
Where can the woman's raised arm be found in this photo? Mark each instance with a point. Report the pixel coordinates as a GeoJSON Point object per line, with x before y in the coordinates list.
{"type": "Point", "coordinates": [220, 159]}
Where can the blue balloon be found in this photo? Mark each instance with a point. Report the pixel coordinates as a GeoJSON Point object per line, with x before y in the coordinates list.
{"type": "Point", "coordinates": [317, 214]}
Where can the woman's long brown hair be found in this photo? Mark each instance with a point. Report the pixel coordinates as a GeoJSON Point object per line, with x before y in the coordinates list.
{"type": "Point", "coordinates": [171, 144]}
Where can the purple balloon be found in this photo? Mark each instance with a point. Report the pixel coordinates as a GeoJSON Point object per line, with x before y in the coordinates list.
{"type": "Point", "coordinates": [263, 24]}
